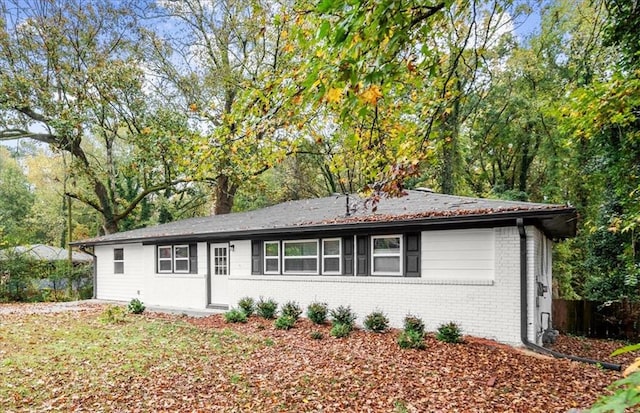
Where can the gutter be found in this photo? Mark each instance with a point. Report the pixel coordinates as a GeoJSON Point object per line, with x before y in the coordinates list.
{"type": "Point", "coordinates": [83, 248]}
{"type": "Point", "coordinates": [524, 305]}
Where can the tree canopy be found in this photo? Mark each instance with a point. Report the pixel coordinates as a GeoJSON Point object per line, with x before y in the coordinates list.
{"type": "Point", "coordinates": [152, 111]}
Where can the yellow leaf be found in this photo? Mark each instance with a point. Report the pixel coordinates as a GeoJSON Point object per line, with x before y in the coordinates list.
{"type": "Point", "coordinates": [633, 367]}
{"type": "Point", "coordinates": [371, 95]}
{"type": "Point", "coordinates": [334, 95]}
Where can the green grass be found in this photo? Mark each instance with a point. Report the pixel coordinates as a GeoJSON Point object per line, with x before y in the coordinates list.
{"type": "Point", "coordinates": [64, 360]}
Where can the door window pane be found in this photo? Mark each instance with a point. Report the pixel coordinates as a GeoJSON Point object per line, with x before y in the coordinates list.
{"type": "Point", "coordinates": [220, 261]}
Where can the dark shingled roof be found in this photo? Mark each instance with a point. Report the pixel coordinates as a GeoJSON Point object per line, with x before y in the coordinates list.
{"type": "Point", "coordinates": [419, 208]}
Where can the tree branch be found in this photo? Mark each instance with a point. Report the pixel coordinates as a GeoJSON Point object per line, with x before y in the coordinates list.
{"type": "Point", "coordinates": [9, 134]}
{"type": "Point", "coordinates": [134, 203]}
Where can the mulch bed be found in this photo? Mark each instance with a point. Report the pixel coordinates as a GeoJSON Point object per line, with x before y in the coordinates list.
{"type": "Point", "coordinates": [369, 372]}
{"type": "Point", "coordinates": [595, 349]}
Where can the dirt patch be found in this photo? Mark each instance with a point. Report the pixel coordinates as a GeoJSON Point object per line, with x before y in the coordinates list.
{"type": "Point", "coordinates": [43, 308]}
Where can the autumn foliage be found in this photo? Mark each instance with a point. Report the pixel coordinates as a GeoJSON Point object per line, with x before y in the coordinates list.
{"type": "Point", "coordinates": [158, 362]}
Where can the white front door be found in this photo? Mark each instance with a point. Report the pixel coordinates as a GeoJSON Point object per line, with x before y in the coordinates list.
{"type": "Point", "coordinates": [219, 275]}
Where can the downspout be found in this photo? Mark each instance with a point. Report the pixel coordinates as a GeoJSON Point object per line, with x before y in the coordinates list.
{"type": "Point", "coordinates": [524, 311]}
{"type": "Point", "coordinates": [83, 248]}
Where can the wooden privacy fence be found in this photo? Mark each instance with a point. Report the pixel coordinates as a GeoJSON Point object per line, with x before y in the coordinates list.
{"type": "Point", "coordinates": [597, 319]}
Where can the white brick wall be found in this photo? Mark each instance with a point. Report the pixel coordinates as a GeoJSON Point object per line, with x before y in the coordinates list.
{"type": "Point", "coordinates": [483, 307]}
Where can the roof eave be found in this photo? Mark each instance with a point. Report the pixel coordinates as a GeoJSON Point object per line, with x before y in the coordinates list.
{"type": "Point", "coordinates": [556, 223]}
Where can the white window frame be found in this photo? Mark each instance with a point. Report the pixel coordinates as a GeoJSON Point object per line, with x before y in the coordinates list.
{"type": "Point", "coordinates": [176, 259]}
{"type": "Point", "coordinates": [298, 257]}
{"type": "Point", "coordinates": [339, 256]}
{"type": "Point", "coordinates": [378, 255]}
{"type": "Point", "coordinates": [271, 257]}
{"type": "Point", "coordinates": [161, 259]}
{"type": "Point", "coordinates": [115, 261]}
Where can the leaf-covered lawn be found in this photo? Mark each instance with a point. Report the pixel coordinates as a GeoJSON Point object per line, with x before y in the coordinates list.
{"type": "Point", "coordinates": [71, 361]}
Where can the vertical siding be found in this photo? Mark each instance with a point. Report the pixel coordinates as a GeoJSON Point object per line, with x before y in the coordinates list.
{"type": "Point", "coordinates": [125, 286]}
{"type": "Point", "coordinates": [140, 280]}
{"type": "Point", "coordinates": [458, 254]}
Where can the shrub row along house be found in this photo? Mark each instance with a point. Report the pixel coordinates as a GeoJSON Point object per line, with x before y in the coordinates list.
{"type": "Point", "coordinates": [478, 262]}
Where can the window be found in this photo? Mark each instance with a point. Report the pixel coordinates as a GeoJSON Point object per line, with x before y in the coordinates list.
{"type": "Point", "coordinates": [331, 256]}
{"type": "Point", "coordinates": [177, 258]}
{"type": "Point", "coordinates": [118, 261]}
{"type": "Point", "coordinates": [386, 255]}
{"type": "Point", "coordinates": [181, 258]}
{"type": "Point", "coordinates": [165, 259]}
{"type": "Point", "coordinates": [272, 257]}
{"type": "Point", "coordinates": [300, 257]}
{"type": "Point", "coordinates": [364, 255]}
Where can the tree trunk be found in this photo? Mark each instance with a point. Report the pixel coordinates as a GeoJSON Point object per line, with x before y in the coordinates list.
{"type": "Point", "coordinates": [451, 152]}
{"type": "Point", "coordinates": [225, 195]}
{"type": "Point", "coordinates": [110, 225]}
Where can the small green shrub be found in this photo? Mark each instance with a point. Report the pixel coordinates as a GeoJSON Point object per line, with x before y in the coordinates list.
{"type": "Point", "coordinates": [339, 330]}
{"type": "Point", "coordinates": [267, 308]}
{"type": "Point", "coordinates": [413, 323]}
{"type": "Point", "coordinates": [317, 312]}
{"type": "Point", "coordinates": [376, 322]}
{"type": "Point", "coordinates": [411, 339]}
{"type": "Point", "coordinates": [449, 333]}
{"type": "Point", "coordinates": [248, 305]}
{"type": "Point", "coordinates": [317, 335]}
{"type": "Point", "coordinates": [343, 315]}
{"type": "Point", "coordinates": [284, 322]}
{"type": "Point", "coordinates": [113, 314]}
{"type": "Point", "coordinates": [235, 316]}
{"type": "Point", "coordinates": [136, 306]}
{"type": "Point", "coordinates": [291, 309]}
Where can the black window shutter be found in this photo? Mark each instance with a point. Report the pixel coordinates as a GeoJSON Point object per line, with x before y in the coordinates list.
{"type": "Point", "coordinates": [193, 258]}
{"type": "Point", "coordinates": [362, 255]}
{"type": "Point", "coordinates": [412, 255]}
{"type": "Point", "coordinates": [347, 255]}
{"type": "Point", "coordinates": [256, 257]}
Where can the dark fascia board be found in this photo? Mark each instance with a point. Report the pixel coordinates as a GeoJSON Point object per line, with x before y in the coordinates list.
{"type": "Point", "coordinates": [566, 216]}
